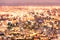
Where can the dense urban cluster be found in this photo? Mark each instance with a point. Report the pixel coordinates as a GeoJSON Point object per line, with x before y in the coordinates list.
{"type": "Point", "coordinates": [42, 24]}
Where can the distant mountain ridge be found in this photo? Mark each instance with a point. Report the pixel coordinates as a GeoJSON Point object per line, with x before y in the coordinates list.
{"type": "Point", "coordinates": [29, 2]}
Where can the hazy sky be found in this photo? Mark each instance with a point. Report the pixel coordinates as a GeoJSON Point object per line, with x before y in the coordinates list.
{"type": "Point", "coordinates": [29, 2]}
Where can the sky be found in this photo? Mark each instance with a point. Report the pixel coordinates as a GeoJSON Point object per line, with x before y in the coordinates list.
{"type": "Point", "coordinates": [29, 2]}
